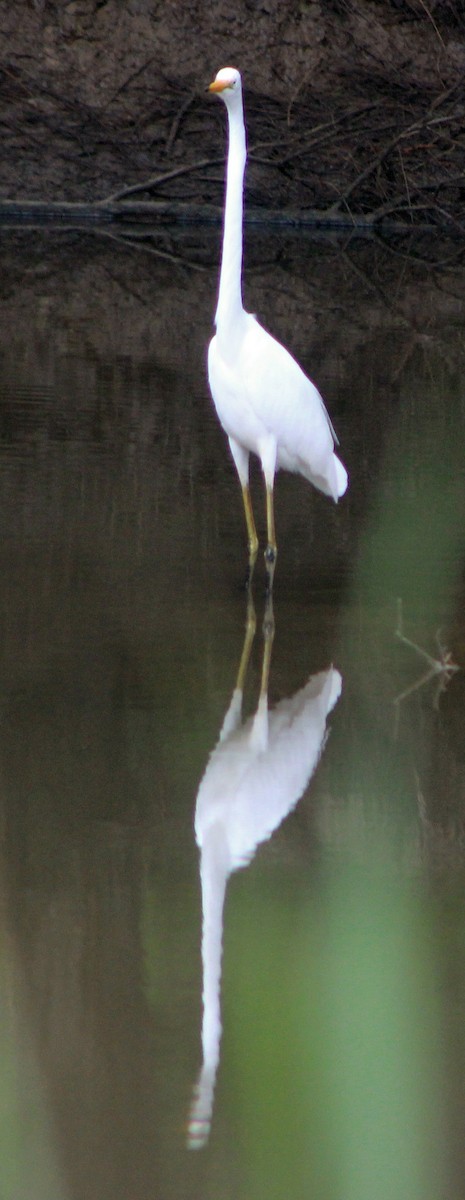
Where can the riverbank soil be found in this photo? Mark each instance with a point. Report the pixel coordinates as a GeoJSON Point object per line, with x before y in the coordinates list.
{"type": "Point", "coordinates": [353, 106]}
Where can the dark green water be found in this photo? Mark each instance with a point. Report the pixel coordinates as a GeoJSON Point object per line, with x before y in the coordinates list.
{"type": "Point", "coordinates": [122, 617]}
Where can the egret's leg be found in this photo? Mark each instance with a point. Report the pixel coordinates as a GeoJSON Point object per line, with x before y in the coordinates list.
{"type": "Point", "coordinates": [250, 522]}
{"type": "Point", "coordinates": [233, 718]}
{"type": "Point", "coordinates": [250, 627]}
{"type": "Point", "coordinates": [241, 459]}
{"type": "Point", "coordinates": [268, 637]}
{"type": "Point", "coordinates": [271, 551]}
{"type": "Point", "coordinates": [260, 726]}
{"type": "Point", "coordinates": [268, 451]}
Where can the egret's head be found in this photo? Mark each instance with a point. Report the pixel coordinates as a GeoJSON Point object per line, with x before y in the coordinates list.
{"type": "Point", "coordinates": [226, 84]}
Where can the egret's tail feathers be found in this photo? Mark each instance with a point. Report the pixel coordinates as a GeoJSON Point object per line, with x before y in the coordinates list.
{"type": "Point", "coordinates": [341, 478]}
{"type": "Point", "coordinates": [335, 687]}
{"type": "Point", "coordinates": [332, 480]}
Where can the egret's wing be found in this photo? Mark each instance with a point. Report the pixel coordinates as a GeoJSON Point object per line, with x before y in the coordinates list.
{"type": "Point", "coordinates": [270, 364]}
{"type": "Point", "coordinates": [330, 423]}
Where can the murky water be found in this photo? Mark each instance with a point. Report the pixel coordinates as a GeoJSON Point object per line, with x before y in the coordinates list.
{"type": "Point", "coordinates": [333, 1050]}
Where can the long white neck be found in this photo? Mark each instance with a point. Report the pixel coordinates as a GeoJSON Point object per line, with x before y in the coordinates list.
{"type": "Point", "coordinates": [230, 290]}
{"type": "Point", "coordinates": [214, 871]}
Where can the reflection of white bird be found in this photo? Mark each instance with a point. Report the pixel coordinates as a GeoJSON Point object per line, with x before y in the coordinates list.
{"type": "Point", "coordinates": [255, 776]}
{"type": "Point", "coordinates": [263, 399]}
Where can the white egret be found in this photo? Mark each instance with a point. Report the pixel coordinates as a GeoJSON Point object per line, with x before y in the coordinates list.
{"type": "Point", "coordinates": [264, 401]}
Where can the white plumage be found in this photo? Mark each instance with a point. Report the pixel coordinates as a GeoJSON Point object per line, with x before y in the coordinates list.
{"type": "Point", "coordinates": [265, 402]}
{"type": "Point", "coordinates": [255, 776]}
{"type": "Point", "coordinates": [258, 770]}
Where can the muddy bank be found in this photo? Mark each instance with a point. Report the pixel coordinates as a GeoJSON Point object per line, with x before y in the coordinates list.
{"type": "Point", "coordinates": [352, 107]}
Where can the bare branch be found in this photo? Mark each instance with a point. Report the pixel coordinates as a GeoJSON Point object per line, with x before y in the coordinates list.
{"type": "Point", "coordinates": [156, 180]}
{"type": "Point", "coordinates": [173, 133]}
{"type": "Point", "coordinates": [126, 82]}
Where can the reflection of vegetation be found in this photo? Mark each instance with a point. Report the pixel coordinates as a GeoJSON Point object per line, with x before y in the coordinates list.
{"type": "Point", "coordinates": [29, 1163]}
{"type": "Point", "coordinates": [331, 1019]}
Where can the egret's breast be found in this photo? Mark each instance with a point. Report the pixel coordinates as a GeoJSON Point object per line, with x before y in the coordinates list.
{"type": "Point", "coordinates": [232, 399]}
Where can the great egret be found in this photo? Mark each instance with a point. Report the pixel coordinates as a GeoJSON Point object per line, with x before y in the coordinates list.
{"type": "Point", "coordinates": [255, 776]}
{"type": "Point", "coordinates": [264, 401]}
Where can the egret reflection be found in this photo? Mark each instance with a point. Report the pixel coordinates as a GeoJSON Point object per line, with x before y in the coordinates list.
{"type": "Point", "coordinates": [255, 776]}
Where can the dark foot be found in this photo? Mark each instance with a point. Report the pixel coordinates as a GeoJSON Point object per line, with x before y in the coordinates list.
{"type": "Point", "coordinates": [268, 619]}
{"type": "Point", "coordinates": [270, 563]}
{"type": "Point", "coordinates": [269, 581]}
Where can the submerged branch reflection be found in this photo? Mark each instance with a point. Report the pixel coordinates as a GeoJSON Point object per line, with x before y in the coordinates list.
{"type": "Point", "coordinates": [256, 774]}
{"type": "Point", "coordinates": [442, 669]}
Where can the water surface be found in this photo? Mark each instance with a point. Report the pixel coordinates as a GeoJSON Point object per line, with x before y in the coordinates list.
{"type": "Point", "coordinates": [122, 621]}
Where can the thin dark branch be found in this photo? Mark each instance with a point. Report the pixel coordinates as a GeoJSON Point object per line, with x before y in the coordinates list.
{"type": "Point", "coordinates": [138, 243]}
{"type": "Point", "coordinates": [156, 180]}
{"type": "Point", "coordinates": [126, 82]}
{"type": "Point", "coordinates": [415, 127]}
{"type": "Point", "coordinates": [173, 133]}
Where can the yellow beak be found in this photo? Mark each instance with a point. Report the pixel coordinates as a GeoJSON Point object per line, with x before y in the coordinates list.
{"type": "Point", "coordinates": [218, 85]}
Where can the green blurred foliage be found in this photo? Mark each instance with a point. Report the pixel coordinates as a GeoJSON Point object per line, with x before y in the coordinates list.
{"type": "Point", "coordinates": [331, 1040]}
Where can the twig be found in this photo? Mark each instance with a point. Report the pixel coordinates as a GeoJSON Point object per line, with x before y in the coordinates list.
{"type": "Point", "coordinates": [445, 95]}
{"type": "Point", "coordinates": [433, 22]}
{"type": "Point", "coordinates": [155, 180]}
{"type": "Point", "coordinates": [444, 666]}
{"type": "Point", "coordinates": [136, 243]}
{"type": "Point", "coordinates": [129, 79]}
{"type": "Point", "coordinates": [367, 280]}
{"type": "Point", "coordinates": [174, 130]}
{"type": "Point", "coordinates": [449, 216]}
{"type": "Point", "coordinates": [326, 127]}
{"type": "Point", "coordinates": [367, 171]}
{"type": "Point", "coordinates": [407, 189]}
{"type": "Point", "coordinates": [372, 166]}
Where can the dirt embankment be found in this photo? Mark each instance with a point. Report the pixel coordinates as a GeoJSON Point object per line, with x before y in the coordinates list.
{"type": "Point", "coordinates": [353, 106]}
